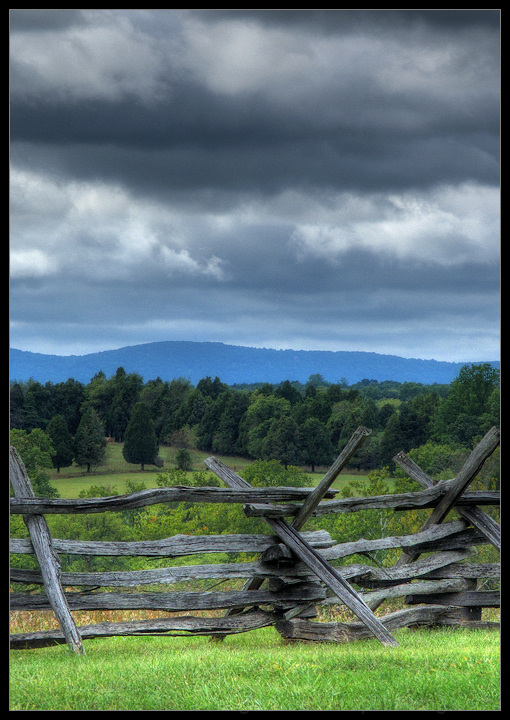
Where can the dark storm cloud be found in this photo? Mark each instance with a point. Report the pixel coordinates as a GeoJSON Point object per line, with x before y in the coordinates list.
{"type": "Point", "coordinates": [356, 134]}
{"type": "Point", "coordinates": [44, 20]}
{"type": "Point", "coordinates": [255, 177]}
{"type": "Point", "coordinates": [332, 21]}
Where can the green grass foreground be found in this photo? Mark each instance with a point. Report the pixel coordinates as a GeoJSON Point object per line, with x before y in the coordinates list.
{"type": "Point", "coordinates": [432, 669]}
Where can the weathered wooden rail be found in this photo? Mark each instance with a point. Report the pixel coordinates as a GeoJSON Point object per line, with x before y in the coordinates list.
{"type": "Point", "coordinates": [294, 571]}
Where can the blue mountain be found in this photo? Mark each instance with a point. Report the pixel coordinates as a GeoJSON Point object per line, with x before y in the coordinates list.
{"type": "Point", "coordinates": [233, 364]}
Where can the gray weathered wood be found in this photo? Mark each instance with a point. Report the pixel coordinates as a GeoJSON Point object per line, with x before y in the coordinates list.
{"type": "Point", "coordinates": [468, 598]}
{"type": "Point", "coordinates": [304, 630]}
{"type": "Point", "coordinates": [311, 502]}
{"type": "Point", "coordinates": [175, 546]}
{"type": "Point", "coordinates": [399, 501]}
{"type": "Point", "coordinates": [479, 519]}
{"type": "Point", "coordinates": [467, 570]}
{"type": "Point", "coordinates": [427, 538]}
{"type": "Point", "coordinates": [441, 580]}
{"type": "Point", "coordinates": [171, 627]}
{"type": "Point", "coordinates": [47, 558]}
{"type": "Point", "coordinates": [423, 587]}
{"type": "Point", "coordinates": [281, 554]}
{"type": "Point", "coordinates": [476, 459]}
{"type": "Point", "coordinates": [29, 505]}
{"type": "Point", "coordinates": [455, 494]}
{"type": "Point", "coordinates": [365, 575]}
{"type": "Point", "coordinates": [174, 601]}
{"type": "Point", "coordinates": [313, 560]}
{"type": "Point", "coordinates": [439, 566]}
{"type": "Point", "coordinates": [166, 576]}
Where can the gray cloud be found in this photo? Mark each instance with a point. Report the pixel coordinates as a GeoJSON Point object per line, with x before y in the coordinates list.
{"type": "Point", "coordinates": [291, 178]}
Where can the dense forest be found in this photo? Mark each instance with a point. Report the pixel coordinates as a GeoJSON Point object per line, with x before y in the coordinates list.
{"type": "Point", "coordinates": [296, 424]}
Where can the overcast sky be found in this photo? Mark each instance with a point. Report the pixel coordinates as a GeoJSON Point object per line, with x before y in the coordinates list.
{"type": "Point", "coordinates": [286, 179]}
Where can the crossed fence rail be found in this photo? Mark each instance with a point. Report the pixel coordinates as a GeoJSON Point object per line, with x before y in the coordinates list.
{"type": "Point", "coordinates": [293, 573]}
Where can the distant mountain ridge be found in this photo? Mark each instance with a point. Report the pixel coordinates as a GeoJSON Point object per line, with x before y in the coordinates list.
{"type": "Point", "coordinates": [233, 364]}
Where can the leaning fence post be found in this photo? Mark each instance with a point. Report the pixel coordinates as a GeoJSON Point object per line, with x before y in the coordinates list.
{"type": "Point", "coordinates": [357, 439]}
{"type": "Point", "coordinates": [47, 558]}
{"type": "Point", "coordinates": [477, 517]}
{"type": "Point", "coordinates": [476, 459]}
{"type": "Point", "coordinates": [311, 559]}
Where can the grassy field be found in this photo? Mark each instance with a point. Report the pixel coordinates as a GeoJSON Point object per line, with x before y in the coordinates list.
{"type": "Point", "coordinates": [115, 471]}
{"type": "Point", "coordinates": [434, 670]}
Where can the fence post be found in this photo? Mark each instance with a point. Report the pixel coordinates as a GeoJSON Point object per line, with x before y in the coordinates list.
{"type": "Point", "coordinates": [476, 459]}
{"type": "Point", "coordinates": [48, 559]}
{"type": "Point", "coordinates": [473, 464]}
{"type": "Point", "coordinates": [312, 559]}
{"type": "Point", "coordinates": [311, 502]}
{"type": "Point", "coordinates": [357, 439]}
{"type": "Point", "coordinates": [477, 517]}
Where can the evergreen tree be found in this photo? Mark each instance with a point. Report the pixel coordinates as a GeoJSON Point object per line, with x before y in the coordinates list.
{"type": "Point", "coordinates": [413, 427]}
{"type": "Point", "coordinates": [62, 442]}
{"type": "Point", "coordinates": [140, 441]}
{"type": "Point", "coordinates": [386, 411]}
{"type": "Point", "coordinates": [31, 414]}
{"type": "Point", "coordinates": [89, 442]}
{"type": "Point", "coordinates": [183, 460]}
{"type": "Point", "coordinates": [38, 404]}
{"type": "Point", "coordinates": [68, 398]}
{"type": "Point", "coordinates": [289, 392]}
{"type": "Point", "coordinates": [126, 392]}
{"type": "Point", "coordinates": [226, 437]}
{"type": "Point", "coordinates": [210, 422]}
{"type": "Point", "coordinates": [211, 388]}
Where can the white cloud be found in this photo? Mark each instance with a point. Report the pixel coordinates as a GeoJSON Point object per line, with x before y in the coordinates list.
{"type": "Point", "coordinates": [448, 226]}
{"type": "Point", "coordinates": [31, 263]}
{"type": "Point", "coordinates": [99, 231]}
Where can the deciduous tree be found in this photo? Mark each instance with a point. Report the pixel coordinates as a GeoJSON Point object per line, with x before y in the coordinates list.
{"type": "Point", "coordinates": [315, 443]}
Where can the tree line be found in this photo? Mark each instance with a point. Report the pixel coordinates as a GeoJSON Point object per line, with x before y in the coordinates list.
{"type": "Point", "coordinates": [294, 423]}
{"type": "Point", "coordinates": [275, 425]}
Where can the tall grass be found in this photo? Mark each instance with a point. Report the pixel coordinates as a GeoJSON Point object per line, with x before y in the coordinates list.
{"type": "Point", "coordinates": [435, 670]}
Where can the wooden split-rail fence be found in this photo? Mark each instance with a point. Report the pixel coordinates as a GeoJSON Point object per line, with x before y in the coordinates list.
{"type": "Point", "coordinates": [433, 573]}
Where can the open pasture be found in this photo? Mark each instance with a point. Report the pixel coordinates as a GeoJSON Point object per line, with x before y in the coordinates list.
{"type": "Point", "coordinates": [116, 472]}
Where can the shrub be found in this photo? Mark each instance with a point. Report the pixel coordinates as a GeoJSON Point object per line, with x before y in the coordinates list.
{"type": "Point", "coordinates": [271, 473]}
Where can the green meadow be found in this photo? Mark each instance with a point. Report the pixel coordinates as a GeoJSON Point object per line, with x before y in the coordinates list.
{"type": "Point", "coordinates": [116, 472]}
{"type": "Point", "coordinates": [434, 670]}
